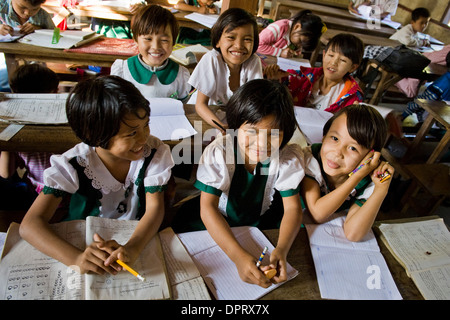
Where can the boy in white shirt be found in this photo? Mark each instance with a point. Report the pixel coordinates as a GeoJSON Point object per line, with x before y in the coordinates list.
{"type": "Point", "coordinates": [412, 35]}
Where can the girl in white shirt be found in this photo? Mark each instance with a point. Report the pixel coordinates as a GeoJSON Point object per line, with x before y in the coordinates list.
{"type": "Point", "coordinates": [250, 177]}
{"type": "Point", "coordinates": [231, 63]}
{"type": "Point", "coordinates": [119, 171]}
{"type": "Point", "coordinates": [155, 30]}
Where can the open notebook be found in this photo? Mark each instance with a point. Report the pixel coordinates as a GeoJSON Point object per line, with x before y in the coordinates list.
{"type": "Point", "coordinates": [67, 39]}
{"type": "Point", "coordinates": [26, 273]}
{"type": "Point", "coordinates": [219, 272]}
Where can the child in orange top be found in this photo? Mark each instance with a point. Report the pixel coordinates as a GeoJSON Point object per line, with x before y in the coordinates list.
{"type": "Point", "coordinates": [330, 87]}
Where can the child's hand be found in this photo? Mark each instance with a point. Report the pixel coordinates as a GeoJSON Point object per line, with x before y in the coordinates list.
{"type": "Point", "coordinates": [273, 72]}
{"type": "Point", "coordinates": [92, 260]}
{"type": "Point", "coordinates": [380, 175]}
{"type": "Point", "coordinates": [250, 273]}
{"type": "Point", "coordinates": [27, 28]}
{"type": "Point", "coordinates": [367, 164]}
{"type": "Point", "coordinates": [288, 53]}
{"type": "Point", "coordinates": [278, 262]}
{"type": "Point", "coordinates": [6, 29]}
{"type": "Point", "coordinates": [115, 251]}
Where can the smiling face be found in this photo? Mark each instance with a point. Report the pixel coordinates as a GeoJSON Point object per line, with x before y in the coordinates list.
{"type": "Point", "coordinates": [236, 45]}
{"type": "Point", "coordinates": [259, 141]}
{"type": "Point", "coordinates": [128, 143]}
{"type": "Point", "coordinates": [156, 48]}
{"type": "Point", "coordinates": [340, 153]}
{"type": "Point", "coordinates": [336, 65]}
{"type": "Point", "coordinates": [24, 9]}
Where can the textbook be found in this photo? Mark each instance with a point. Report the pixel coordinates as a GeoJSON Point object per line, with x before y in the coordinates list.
{"type": "Point", "coordinates": [187, 55]}
{"type": "Point", "coordinates": [349, 270]}
{"type": "Point", "coordinates": [67, 38]}
{"type": "Point", "coordinates": [219, 272]}
{"type": "Point", "coordinates": [27, 273]}
{"type": "Point", "coordinates": [423, 249]}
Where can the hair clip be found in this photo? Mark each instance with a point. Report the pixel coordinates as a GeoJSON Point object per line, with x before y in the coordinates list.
{"type": "Point", "coordinates": [324, 28]}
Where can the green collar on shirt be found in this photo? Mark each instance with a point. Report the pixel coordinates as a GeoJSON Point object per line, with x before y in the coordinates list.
{"type": "Point", "coordinates": [143, 75]}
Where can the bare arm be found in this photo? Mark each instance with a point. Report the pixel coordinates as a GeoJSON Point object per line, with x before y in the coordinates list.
{"type": "Point", "coordinates": [221, 232]}
{"type": "Point", "coordinates": [202, 109]}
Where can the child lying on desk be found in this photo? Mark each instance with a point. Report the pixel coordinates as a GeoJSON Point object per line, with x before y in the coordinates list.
{"type": "Point", "coordinates": [348, 172]}
{"type": "Point", "coordinates": [119, 171]}
{"type": "Point", "coordinates": [330, 87]}
{"type": "Point", "coordinates": [250, 177]}
{"type": "Point", "coordinates": [26, 14]}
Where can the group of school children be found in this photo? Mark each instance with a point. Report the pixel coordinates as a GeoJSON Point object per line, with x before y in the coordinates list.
{"type": "Point", "coordinates": [250, 174]}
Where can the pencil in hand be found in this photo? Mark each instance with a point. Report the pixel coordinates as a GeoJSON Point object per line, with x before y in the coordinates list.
{"type": "Point", "coordinates": [130, 270]}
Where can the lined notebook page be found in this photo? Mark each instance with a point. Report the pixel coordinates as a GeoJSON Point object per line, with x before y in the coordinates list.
{"type": "Point", "coordinates": [219, 272]}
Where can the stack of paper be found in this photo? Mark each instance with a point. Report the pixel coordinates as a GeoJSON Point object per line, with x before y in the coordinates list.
{"type": "Point", "coordinates": [423, 248]}
{"type": "Point", "coordinates": [187, 55]}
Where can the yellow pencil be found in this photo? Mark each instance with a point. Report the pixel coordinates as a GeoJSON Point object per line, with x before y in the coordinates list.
{"type": "Point", "coordinates": [130, 270]}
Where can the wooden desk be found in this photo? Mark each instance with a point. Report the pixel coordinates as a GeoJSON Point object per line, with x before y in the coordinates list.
{"type": "Point", "coordinates": [112, 13]}
{"type": "Point", "coordinates": [339, 21]}
{"type": "Point", "coordinates": [438, 111]}
{"type": "Point", "coordinates": [305, 286]}
{"type": "Point", "coordinates": [14, 51]}
{"type": "Point", "coordinates": [60, 138]}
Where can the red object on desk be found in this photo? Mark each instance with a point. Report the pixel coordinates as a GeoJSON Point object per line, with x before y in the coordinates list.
{"type": "Point", "coordinates": [114, 46]}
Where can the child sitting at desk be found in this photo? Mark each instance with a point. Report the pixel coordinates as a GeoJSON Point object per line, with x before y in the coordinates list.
{"type": "Point", "coordinates": [151, 71]}
{"type": "Point", "coordinates": [119, 171]}
{"type": "Point", "coordinates": [373, 8]}
{"type": "Point", "coordinates": [29, 78]}
{"type": "Point", "coordinates": [438, 90]}
{"type": "Point", "coordinates": [26, 14]}
{"type": "Point", "coordinates": [412, 35]}
{"type": "Point", "coordinates": [330, 87]}
{"type": "Point", "coordinates": [250, 176]}
{"type": "Point", "coordinates": [289, 37]}
{"type": "Point", "coordinates": [348, 172]}
{"type": "Point", "coordinates": [231, 63]}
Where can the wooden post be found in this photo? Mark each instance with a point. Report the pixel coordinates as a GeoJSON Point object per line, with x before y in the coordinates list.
{"type": "Point", "coordinates": [249, 5]}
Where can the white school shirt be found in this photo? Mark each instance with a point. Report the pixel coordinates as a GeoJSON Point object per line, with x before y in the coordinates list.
{"type": "Point", "coordinates": [211, 76]}
{"type": "Point", "coordinates": [63, 176]}
{"type": "Point", "coordinates": [322, 102]}
{"type": "Point", "coordinates": [408, 37]}
{"type": "Point", "coordinates": [217, 166]}
{"type": "Point", "coordinates": [178, 89]}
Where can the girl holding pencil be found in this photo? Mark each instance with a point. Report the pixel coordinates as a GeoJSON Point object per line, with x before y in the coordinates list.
{"type": "Point", "coordinates": [347, 170]}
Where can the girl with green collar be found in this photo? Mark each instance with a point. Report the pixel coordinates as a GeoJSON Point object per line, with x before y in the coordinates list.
{"type": "Point", "coordinates": [151, 71]}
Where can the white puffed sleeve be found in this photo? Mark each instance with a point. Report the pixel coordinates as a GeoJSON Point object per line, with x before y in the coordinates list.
{"type": "Point", "coordinates": [216, 166]}
{"type": "Point", "coordinates": [290, 171]}
{"type": "Point", "coordinates": [204, 74]}
{"type": "Point", "coordinates": [62, 175]}
{"type": "Point", "coordinates": [117, 68]}
{"type": "Point", "coordinates": [185, 87]}
{"type": "Point", "coordinates": [159, 170]}
{"type": "Point", "coordinates": [312, 166]}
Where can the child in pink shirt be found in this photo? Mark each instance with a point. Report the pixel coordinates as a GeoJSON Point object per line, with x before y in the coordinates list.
{"type": "Point", "coordinates": [289, 37]}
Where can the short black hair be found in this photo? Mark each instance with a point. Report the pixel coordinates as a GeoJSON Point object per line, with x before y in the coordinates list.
{"type": "Point", "coordinates": [230, 20]}
{"type": "Point", "coordinates": [364, 124]}
{"type": "Point", "coordinates": [150, 18]}
{"type": "Point", "coordinates": [34, 78]}
{"type": "Point", "coordinates": [259, 98]}
{"type": "Point", "coordinates": [312, 27]}
{"type": "Point", "coordinates": [96, 107]}
{"type": "Point", "coordinates": [349, 45]}
{"type": "Point", "coordinates": [420, 12]}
